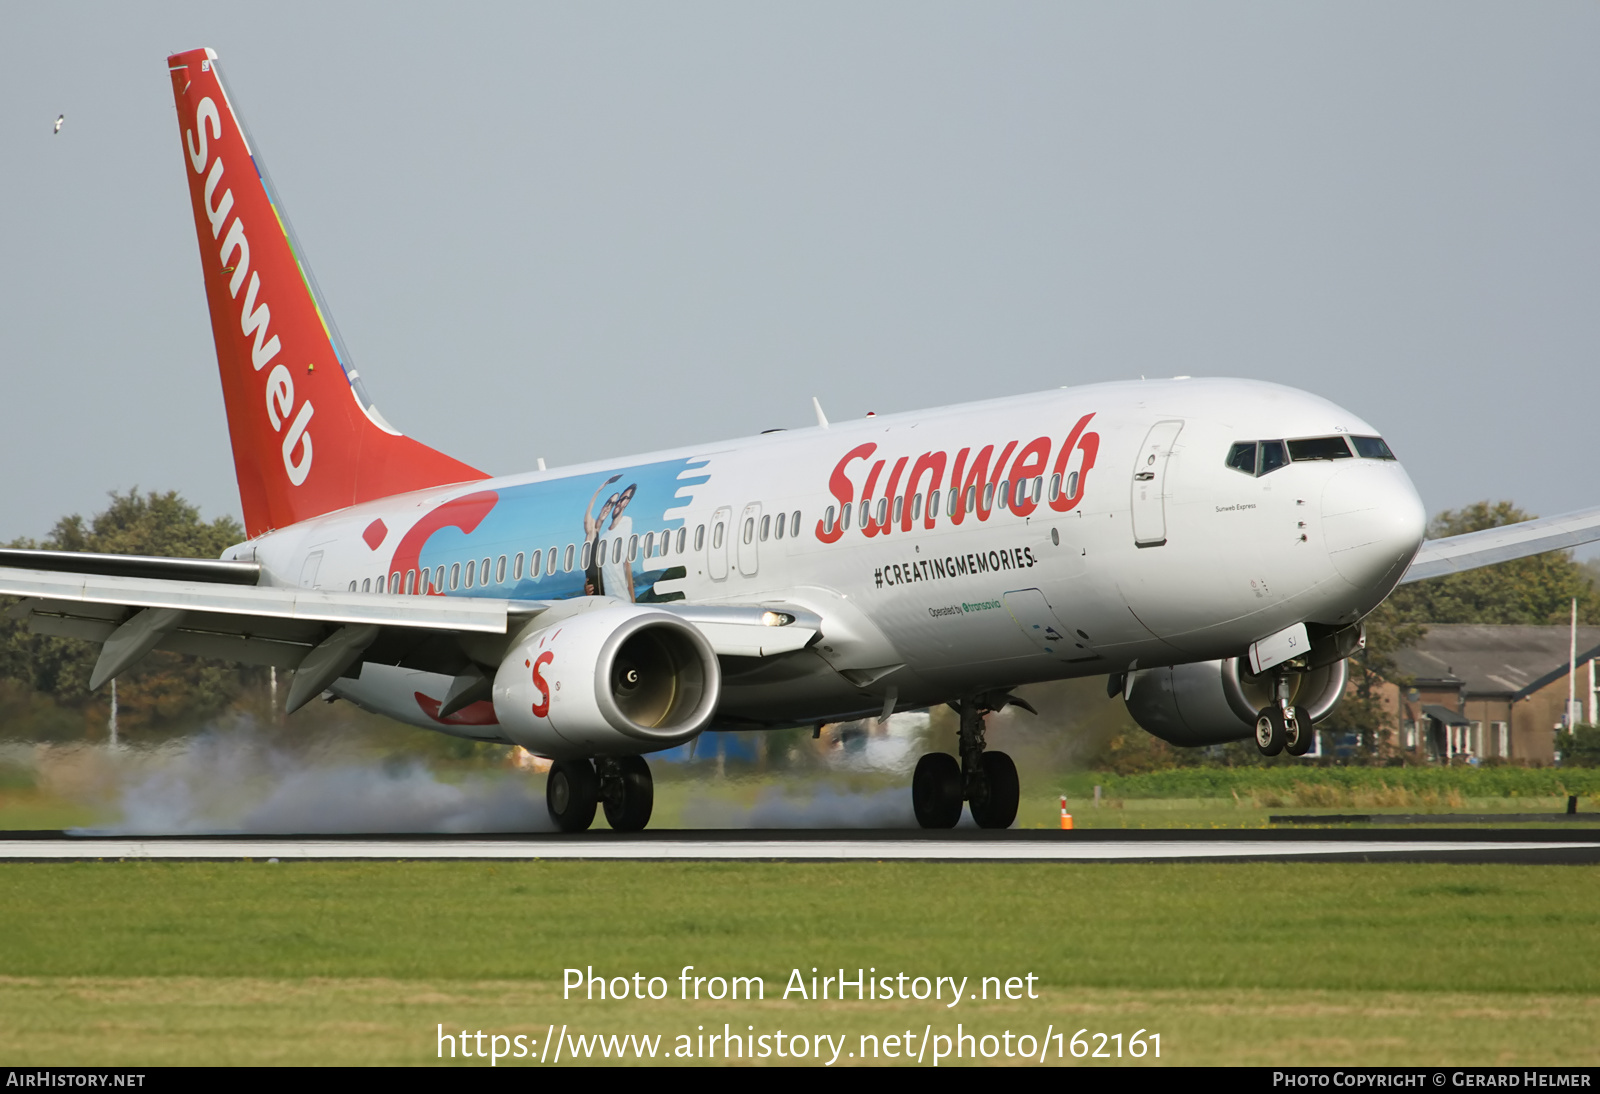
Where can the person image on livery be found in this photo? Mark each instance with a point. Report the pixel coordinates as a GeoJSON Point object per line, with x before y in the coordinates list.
{"type": "Point", "coordinates": [616, 568]}
{"type": "Point", "coordinates": [593, 527]}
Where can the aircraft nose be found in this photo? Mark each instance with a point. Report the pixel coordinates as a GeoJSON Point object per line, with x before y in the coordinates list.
{"type": "Point", "coordinates": [1372, 522]}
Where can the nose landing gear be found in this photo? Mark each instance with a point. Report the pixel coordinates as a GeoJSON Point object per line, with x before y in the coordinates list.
{"type": "Point", "coordinates": [1283, 727]}
{"type": "Point", "coordinates": [987, 781]}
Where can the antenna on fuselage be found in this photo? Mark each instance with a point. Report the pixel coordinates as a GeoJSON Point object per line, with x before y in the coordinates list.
{"type": "Point", "coordinates": [822, 419]}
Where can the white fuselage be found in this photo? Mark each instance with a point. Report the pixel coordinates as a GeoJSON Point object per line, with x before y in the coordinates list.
{"type": "Point", "coordinates": [1148, 549]}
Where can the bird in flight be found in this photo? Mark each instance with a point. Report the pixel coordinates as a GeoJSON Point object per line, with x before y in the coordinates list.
{"type": "Point", "coordinates": [59, 119]}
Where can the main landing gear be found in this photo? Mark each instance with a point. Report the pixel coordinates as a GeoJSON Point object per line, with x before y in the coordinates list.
{"type": "Point", "coordinates": [987, 781]}
{"type": "Point", "coordinates": [1283, 727]}
{"type": "Point", "coordinates": [621, 784]}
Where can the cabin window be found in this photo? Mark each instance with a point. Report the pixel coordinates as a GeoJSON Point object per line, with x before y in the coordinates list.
{"type": "Point", "coordinates": [1003, 494]}
{"type": "Point", "coordinates": [1072, 485]}
{"type": "Point", "coordinates": [633, 547]}
{"type": "Point", "coordinates": [749, 529]}
{"type": "Point", "coordinates": [588, 548]}
{"type": "Point", "coordinates": [899, 507]}
{"type": "Point", "coordinates": [394, 582]}
{"type": "Point", "coordinates": [483, 573]}
{"type": "Point", "coordinates": [682, 535]}
{"type": "Point", "coordinates": [566, 560]}
{"type": "Point", "coordinates": [778, 530]}
{"type": "Point", "coordinates": [438, 579]}
{"type": "Point", "coordinates": [794, 523]}
{"type": "Point", "coordinates": [699, 537]}
{"type": "Point", "coordinates": [455, 575]}
{"type": "Point", "coordinates": [352, 586]}
{"type": "Point", "coordinates": [472, 569]}
{"type": "Point", "coordinates": [716, 537]}
{"type": "Point", "coordinates": [766, 528]}
{"type": "Point", "coordinates": [411, 582]}
{"type": "Point", "coordinates": [844, 517]}
{"type": "Point", "coordinates": [827, 520]}
{"type": "Point", "coordinates": [933, 503]}
{"type": "Point", "coordinates": [1055, 487]}
{"type": "Point", "coordinates": [616, 550]}
{"type": "Point", "coordinates": [500, 571]}
{"type": "Point", "coordinates": [649, 544]}
{"type": "Point", "coordinates": [971, 501]}
{"type": "Point", "coordinates": [988, 496]}
{"type": "Point", "coordinates": [1038, 489]}
{"type": "Point", "coordinates": [883, 510]}
{"type": "Point", "coordinates": [366, 584]}
{"type": "Point", "coordinates": [916, 507]}
{"type": "Point", "coordinates": [516, 566]}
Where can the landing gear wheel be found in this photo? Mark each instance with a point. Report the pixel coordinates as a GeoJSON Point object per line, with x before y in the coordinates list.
{"type": "Point", "coordinates": [1270, 731]}
{"type": "Point", "coordinates": [570, 794]}
{"type": "Point", "coordinates": [1300, 740]}
{"type": "Point", "coordinates": [997, 808]}
{"type": "Point", "coordinates": [936, 791]}
{"type": "Point", "coordinates": [629, 795]}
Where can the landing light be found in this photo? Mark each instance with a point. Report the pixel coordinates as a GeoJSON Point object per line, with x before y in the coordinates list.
{"type": "Point", "coordinates": [776, 619]}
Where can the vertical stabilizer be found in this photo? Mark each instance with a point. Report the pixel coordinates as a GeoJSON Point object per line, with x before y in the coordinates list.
{"type": "Point", "coordinates": [306, 439]}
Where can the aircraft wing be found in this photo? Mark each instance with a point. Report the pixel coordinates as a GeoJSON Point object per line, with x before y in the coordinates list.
{"type": "Point", "coordinates": [1455, 554]}
{"type": "Point", "coordinates": [210, 608]}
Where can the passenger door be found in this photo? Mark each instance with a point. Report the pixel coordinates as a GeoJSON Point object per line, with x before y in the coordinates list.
{"type": "Point", "coordinates": [1150, 484]}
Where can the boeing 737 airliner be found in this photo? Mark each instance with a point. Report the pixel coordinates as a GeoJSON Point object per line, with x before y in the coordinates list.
{"type": "Point", "coordinates": [1210, 546]}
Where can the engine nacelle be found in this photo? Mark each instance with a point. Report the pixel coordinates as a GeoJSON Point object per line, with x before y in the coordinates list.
{"type": "Point", "coordinates": [1212, 702]}
{"type": "Point", "coordinates": [617, 681]}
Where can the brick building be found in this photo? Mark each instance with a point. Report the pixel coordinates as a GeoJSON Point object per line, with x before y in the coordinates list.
{"type": "Point", "coordinates": [1490, 691]}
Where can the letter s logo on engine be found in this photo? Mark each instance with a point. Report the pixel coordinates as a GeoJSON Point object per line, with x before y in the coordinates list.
{"type": "Point", "coordinates": [541, 709]}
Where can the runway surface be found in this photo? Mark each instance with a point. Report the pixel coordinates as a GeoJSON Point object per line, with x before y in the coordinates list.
{"type": "Point", "coordinates": [1120, 845]}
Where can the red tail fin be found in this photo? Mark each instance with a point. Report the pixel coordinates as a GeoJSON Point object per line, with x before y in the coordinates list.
{"type": "Point", "coordinates": [306, 440]}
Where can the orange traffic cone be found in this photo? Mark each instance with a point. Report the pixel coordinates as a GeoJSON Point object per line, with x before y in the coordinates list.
{"type": "Point", "coordinates": [1066, 818]}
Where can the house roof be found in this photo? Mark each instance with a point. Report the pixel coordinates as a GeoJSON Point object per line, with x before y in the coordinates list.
{"type": "Point", "coordinates": [1495, 660]}
{"type": "Point", "coordinates": [1445, 714]}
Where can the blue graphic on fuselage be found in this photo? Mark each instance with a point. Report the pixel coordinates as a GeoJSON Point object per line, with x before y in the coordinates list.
{"type": "Point", "coordinates": [608, 531]}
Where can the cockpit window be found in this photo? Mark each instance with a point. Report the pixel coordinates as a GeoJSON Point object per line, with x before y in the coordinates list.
{"type": "Point", "coordinates": [1319, 448]}
{"type": "Point", "coordinates": [1257, 457]}
{"type": "Point", "coordinates": [1242, 457]}
{"type": "Point", "coordinates": [1261, 457]}
{"type": "Point", "coordinates": [1371, 448]}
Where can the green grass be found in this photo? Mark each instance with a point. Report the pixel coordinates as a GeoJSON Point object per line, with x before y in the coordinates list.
{"type": "Point", "coordinates": [1242, 963]}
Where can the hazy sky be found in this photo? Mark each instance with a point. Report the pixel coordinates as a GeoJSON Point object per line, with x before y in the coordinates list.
{"type": "Point", "coordinates": [582, 230]}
